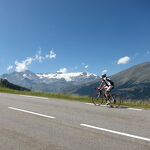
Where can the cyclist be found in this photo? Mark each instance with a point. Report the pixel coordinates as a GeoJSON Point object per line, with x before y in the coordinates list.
{"type": "Point", "coordinates": [106, 84]}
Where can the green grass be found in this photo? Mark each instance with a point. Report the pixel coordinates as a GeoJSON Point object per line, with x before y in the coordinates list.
{"type": "Point", "coordinates": [129, 103]}
{"type": "Point", "coordinates": [48, 95]}
{"type": "Point", "coordinates": [137, 103]}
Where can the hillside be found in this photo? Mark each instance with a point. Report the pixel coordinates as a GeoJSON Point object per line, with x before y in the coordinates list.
{"type": "Point", "coordinates": [5, 84]}
{"type": "Point", "coordinates": [133, 83]}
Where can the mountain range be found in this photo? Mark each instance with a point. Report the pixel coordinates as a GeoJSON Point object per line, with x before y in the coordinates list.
{"type": "Point", "coordinates": [49, 82]}
{"type": "Point", "coordinates": [132, 83]}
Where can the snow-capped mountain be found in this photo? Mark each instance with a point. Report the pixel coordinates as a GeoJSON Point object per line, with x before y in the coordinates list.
{"type": "Point", "coordinates": [69, 77]}
{"type": "Point", "coordinates": [49, 82]}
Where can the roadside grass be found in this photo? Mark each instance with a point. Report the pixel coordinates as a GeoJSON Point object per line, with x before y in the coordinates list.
{"type": "Point", "coordinates": [137, 103]}
{"type": "Point", "coordinates": [48, 95]}
{"type": "Point", "coordinates": [128, 103]}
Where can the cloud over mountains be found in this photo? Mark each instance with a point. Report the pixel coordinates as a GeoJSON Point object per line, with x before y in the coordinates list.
{"type": "Point", "coordinates": [21, 66]}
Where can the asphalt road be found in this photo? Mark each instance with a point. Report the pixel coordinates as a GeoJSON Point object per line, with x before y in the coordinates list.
{"type": "Point", "coordinates": [33, 123]}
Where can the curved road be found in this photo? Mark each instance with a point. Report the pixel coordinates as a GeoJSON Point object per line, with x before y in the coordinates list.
{"type": "Point", "coordinates": [34, 123]}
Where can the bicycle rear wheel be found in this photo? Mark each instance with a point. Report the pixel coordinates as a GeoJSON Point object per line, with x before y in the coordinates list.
{"type": "Point", "coordinates": [115, 101]}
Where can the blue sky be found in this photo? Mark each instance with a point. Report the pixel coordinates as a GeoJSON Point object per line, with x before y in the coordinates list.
{"type": "Point", "coordinates": [73, 35]}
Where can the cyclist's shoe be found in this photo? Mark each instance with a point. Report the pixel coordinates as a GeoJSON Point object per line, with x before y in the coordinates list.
{"type": "Point", "coordinates": [108, 102]}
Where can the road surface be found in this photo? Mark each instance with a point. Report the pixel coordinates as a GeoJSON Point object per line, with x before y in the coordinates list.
{"type": "Point", "coordinates": [34, 123]}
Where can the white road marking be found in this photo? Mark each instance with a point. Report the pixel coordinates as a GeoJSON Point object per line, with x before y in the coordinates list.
{"type": "Point", "coordinates": [116, 132]}
{"type": "Point", "coordinates": [94, 104]}
{"type": "Point", "coordinates": [98, 105]}
{"type": "Point", "coordinates": [33, 97]}
{"type": "Point", "coordinates": [135, 109]}
{"type": "Point", "coordinates": [30, 112]}
{"type": "Point", "coordinates": [89, 103]}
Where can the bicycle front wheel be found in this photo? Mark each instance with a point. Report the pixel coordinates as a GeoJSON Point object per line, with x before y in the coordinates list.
{"type": "Point", "coordinates": [97, 99]}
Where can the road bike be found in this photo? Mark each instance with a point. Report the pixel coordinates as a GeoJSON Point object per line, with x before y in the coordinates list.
{"type": "Point", "coordinates": [98, 98]}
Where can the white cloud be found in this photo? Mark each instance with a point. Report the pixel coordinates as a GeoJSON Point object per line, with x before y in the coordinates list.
{"type": "Point", "coordinates": [20, 66]}
{"type": "Point", "coordinates": [51, 54]}
{"type": "Point", "coordinates": [23, 65]}
{"type": "Point", "coordinates": [39, 58]}
{"type": "Point", "coordinates": [28, 61]}
{"type": "Point", "coordinates": [9, 68]}
{"type": "Point", "coordinates": [62, 70]}
{"type": "Point", "coordinates": [123, 60]}
{"type": "Point", "coordinates": [104, 71]}
{"type": "Point", "coordinates": [86, 66]}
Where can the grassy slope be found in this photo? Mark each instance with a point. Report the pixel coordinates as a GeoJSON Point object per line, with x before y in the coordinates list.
{"type": "Point", "coordinates": [138, 104]}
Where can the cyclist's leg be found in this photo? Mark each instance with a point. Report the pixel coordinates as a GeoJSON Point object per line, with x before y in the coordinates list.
{"type": "Point", "coordinates": [108, 90]}
{"type": "Point", "coordinates": [112, 97]}
{"type": "Point", "coordinates": [105, 89]}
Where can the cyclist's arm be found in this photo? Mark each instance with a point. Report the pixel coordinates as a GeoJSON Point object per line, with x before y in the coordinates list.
{"type": "Point", "coordinates": [101, 85]}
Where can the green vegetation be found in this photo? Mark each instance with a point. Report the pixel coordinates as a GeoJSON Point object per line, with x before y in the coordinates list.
{"type": "Point", "coordinates": [137, 103]}
{"type": "Point", "coordinates": [48, 95]}
{"type": "Point", "coordinates": [130, 103]}
{"type": "Point", "coordinates": [5, 84]}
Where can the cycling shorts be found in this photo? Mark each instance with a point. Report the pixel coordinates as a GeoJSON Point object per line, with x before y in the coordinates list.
{"type": "Point", "coordinates": [109, 88]}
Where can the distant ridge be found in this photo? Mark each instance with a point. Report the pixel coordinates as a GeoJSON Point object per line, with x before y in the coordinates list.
{"type": "Point", "coordinates": [5, 84]}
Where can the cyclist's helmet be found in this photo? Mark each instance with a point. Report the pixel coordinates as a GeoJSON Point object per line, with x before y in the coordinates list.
{"type": "Point", "coordinates": [103, 75]}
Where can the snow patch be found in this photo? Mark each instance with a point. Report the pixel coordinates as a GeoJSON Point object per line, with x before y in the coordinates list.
{"type": "Point", "coordinates": [67, 76]}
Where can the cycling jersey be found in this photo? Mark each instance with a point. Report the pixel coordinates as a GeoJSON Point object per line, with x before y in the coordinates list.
{"type": "Point", "coordinates": [108, 82]}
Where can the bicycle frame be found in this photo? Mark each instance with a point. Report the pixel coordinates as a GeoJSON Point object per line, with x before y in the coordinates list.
{"type": "Point", "coordinates": [99, 98]}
